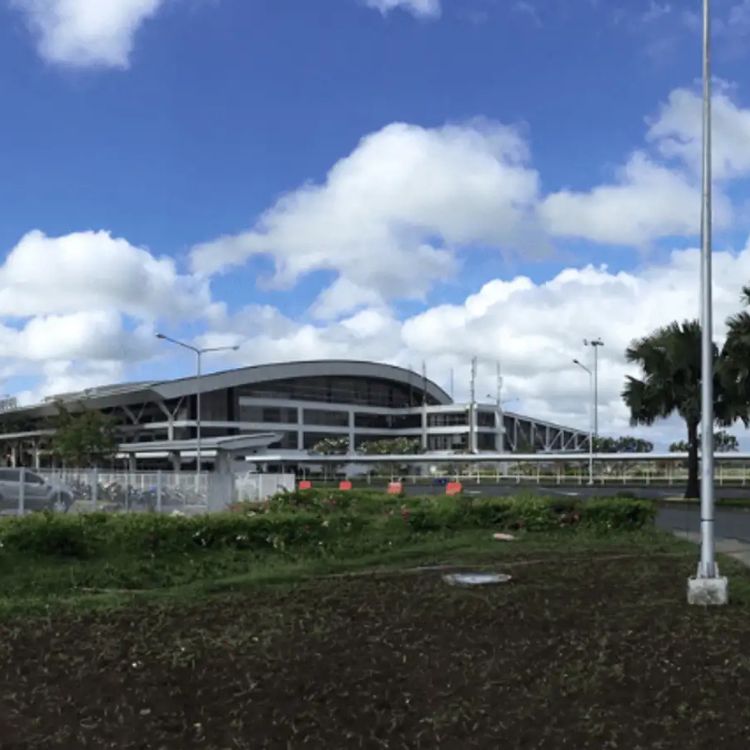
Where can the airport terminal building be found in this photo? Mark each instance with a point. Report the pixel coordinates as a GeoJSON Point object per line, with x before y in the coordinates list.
{"type": "Point", "coordinates": [283, 410]}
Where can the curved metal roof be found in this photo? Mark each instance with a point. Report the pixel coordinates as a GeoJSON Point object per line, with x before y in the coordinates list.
{"type": "Point", "coordinates": [288, 370]}
{"type": "Point", "coordinates": [121, 394]}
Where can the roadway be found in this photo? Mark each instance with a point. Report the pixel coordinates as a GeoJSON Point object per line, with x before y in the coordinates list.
{"type": "Point", "coordinates": [504, 489]}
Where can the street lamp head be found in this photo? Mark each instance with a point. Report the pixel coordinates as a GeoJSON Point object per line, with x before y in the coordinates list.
{"type": "Point", "coordinates": [160, 336]}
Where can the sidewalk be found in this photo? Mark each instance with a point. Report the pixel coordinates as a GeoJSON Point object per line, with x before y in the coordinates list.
{"type": "Point", "coordinates": [734, 548]}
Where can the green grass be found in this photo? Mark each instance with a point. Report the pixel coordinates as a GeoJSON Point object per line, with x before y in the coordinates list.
{"type": "Point", "coordinates": [49, 562]}
{"type": "Point", "coordinates": [38, 584]}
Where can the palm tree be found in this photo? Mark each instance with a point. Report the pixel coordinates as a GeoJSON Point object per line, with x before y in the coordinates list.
{"type": "Point", "coordinates": [734, 370]}
{"type": "Point", "coordinates": [670, 359]}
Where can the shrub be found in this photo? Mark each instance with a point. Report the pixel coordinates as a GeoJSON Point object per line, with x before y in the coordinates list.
{"type": "Point", "coordinates": [47, 534]}
{"type": "Point", "coordinates": [309, 524]}
{"type": "Point", "coordinates": [617, 514]}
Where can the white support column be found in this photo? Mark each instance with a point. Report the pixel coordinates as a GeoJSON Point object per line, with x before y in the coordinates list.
{"type": "Point", "coordinates": [300, 429]}
{"type": "Point", "coordinates": [351, 431]}
{"type": "Point", "coordinates": [22, 493]}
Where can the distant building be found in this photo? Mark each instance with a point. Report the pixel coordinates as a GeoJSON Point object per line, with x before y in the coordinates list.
{"type": "Point", "coordinates": [283, 408]}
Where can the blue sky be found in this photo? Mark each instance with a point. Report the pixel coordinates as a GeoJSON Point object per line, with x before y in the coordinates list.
{"type": "Point", "coordinates": [198, 166]}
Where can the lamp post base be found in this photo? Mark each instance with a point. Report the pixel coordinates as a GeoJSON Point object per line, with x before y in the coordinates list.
{"type": "Point", "coordinates": [708, 592]}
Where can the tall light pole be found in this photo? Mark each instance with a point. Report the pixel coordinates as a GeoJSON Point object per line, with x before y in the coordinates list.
{"type": "Point", "coordinates": [707, 587]}
{"type": "Point", "coordinates": [592, 409]}
{"type": "Point", "coordinates": [500, 415]}
{"type": "Point", "coordinates": [199, 352]}
{"type": "Point", "coordinates": [596, 343]}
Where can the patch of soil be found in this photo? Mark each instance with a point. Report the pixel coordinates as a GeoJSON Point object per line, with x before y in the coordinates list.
{"type": "Point", "coordinates": [593, 654]}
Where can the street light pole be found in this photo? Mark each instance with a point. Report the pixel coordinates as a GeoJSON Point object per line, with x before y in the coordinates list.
{"type": "Point", "coordinates": [198, 391]}
{"type": "Point", "coordinates": [707, 567]}
{"type": "Point", "coordinates": [591, 418]}
{"type": "Point", "coordinates": [199, 352]}
{"type": "Point", "coordinates": [596, 343]}
{"type": "Point", "coordinates": [707, 587]}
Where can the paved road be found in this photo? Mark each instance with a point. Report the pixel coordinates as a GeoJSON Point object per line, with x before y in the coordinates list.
{"type": "Point", "coordinates": [504, 489]}
{"type": "Point", "coordinates": [731, 523]}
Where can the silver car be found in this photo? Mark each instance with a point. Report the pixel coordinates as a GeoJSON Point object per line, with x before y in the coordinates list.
{"type": "Point", "coordinates": [39, 493]}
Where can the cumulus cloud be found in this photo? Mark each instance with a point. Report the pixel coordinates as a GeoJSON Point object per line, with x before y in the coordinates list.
{"type": "Point", "coordinates": [94, 270]}
{"type": "Point", "coordinates": [65, 376]}
{"type": "Point", "coordinates": [647, 201]}
{"type": "Point", "coordinates": [406, 198]}
{"type": "Point", "coordinates": [85, 302]}
{"type": "Point", "coordinates": [420, 8]}
{"type": "Point", "coordinates": [534, 328]}
{"type": "Point", "coordinates": [677, 132]}
{"type": "Point", "coordinates": [83, 33]}
{"type": "Point", "coordinates": [658, 196]}
{"type": "Point", "coordinates": [537, 329]}
{"type": "Point", "coordinates": [410, 197]}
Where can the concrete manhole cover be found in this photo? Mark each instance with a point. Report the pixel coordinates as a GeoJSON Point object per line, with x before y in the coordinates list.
{"type": "Point", "coordinates": [476, 579]}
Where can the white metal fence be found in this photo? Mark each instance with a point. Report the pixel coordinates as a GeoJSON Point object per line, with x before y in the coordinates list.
{"type": "Point", "coordinates": [535, 473]}
{"type": "Point", "coordinates": [91, 490]}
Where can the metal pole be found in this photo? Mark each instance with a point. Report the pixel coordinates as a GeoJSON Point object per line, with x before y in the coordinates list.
{"type": "Point", "coordinates": [198, 420]}
{"type": "Point", "coordinates": [707, 565]}
{"type": "Point", "coordinates": [596, 389]}
{"type": "Point", "coordinates": [595, 344]}
{"type": "Point", "coordinates": [592, 428]}
{"type": "Point", "coordinates": [473, 408]}
{"type": "Point", "coordinates": [591, 417]}
{"type": "Point", "coordinates": [500, 415]}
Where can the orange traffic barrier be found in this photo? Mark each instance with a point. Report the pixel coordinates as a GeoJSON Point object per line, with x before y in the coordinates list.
{"type": "Point", "coordinates": [345, 485]}
{"type": "Point", "coordinates": [454, 488]}
{"type": "Point", "coordinates": [304, 484]}
{"type": "Point", "coordinates": [395, 488]}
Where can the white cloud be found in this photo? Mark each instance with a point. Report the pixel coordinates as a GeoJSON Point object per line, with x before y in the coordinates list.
{"type": "Point", "coordinates": [410, 197]}
{"type": "Point", "coordinates": [420, 8]}
{"type": "Point", "coordinates": [677, 132]}
{"type": "Point", "coordinates": [647, 201]}
{"type": "Point", "coordinates": [95, 271]}
{"type": "Point", "coordinates": [83, 33]}
{"type": "Point", "coordinates": [652, 198]}
{"type": "Point", "coordinates": [656, 11]}
{"type": "Point", "coordinates": [389, 215]}
{"type": "Point", "coordinates": [59, 377]}
{"type": "Point", "coordinates": [535, 329]}
{"type": "Point", "coordinates": [87, 303]}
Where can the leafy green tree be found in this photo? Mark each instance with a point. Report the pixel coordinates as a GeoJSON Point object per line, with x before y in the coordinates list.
{"type": "Point", "coordinates": [400, 446]}
{"type": "Point", "coordinates": [670, 360]}
{"type": "Point", "coordinates": [734, 369]}
{"type": "Point", "coordinates": [625, 444]}
{"type": "Point", "coordinates": [332, 446]}
{"type": "Point", "coordinates": [85, 438]}
{"type": "Point", "coordinates": [724, 442]}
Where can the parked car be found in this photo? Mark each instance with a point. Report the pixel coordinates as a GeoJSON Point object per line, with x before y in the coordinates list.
{"type": "Point", "coordinates": [39, 493]}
